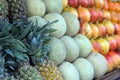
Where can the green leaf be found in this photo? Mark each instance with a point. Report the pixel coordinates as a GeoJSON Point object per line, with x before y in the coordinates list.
{"type": "Point", "coordinates": [25, 32]}
{"type": "Point", "coordinates": [20, 55]}
{"type": "Point", "coordinates": [18, 45]}
{"type": "Point", "coordinates": [8, 51]}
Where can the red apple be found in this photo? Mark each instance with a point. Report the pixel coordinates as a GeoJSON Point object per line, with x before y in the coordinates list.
{"type": "Point", "coordinates": [83, 14]}
{"type": "Point", "coordinates": [106, 14]}
{"type": "Point", "coordinates": [83, 3]}
{"type": "Point", "coordinates": [95, 31]}
{"type": "Point", "coordinates": [86, 30]}
{"type": "Point", "coordinates": [112, 42]}
{"type": "Point", "coordinates": [116, 28]}
{"type": "Point", "coordinates": [102, 30]}
{"type": "Point", "coordinates": [109, 26]}
{"type": "Point", "coordinates": [115, 58]}
{"type": "Point", "coordinates": [93, 15]}
{"type": "Point", "coordinates": [99, 4]}
{"type": "Point", "coordinates": [96, 46]}
{"type": "Point", "coordinates": [91, 3]}
{"type": "Point", "coordinates": [104, 45]}
{"type": "Point", "coordinates": [100, 15]}
{"type": "Point", "coordinates": [110, 62]}
{"type": "Point", "coordinates": [73, 3]}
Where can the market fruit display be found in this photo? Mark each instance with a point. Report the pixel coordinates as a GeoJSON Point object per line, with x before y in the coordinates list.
{"type": "Point", "coordinates": [59, 39]}
{"type": "Point", "coordinates": [99, 63]}
{"type": "Point", "coordinates": [60, 26]}
{"type": "Point", "coordinates": [84, 68]}
{"type": "Point", "coordinates": [35, 8]}
{"type": "Point", "coordinates": [72, 23]}
{"type": "Point", "coordinates": [55, 6]}
{"type": "Point", "coordinates": [57, 45]}
{"type": "Point", "coordinates": [83, 43]}
{"type": "Point", "coordinates": [69, 71]}
{"type": "Point", "coordinates": [72, 48]}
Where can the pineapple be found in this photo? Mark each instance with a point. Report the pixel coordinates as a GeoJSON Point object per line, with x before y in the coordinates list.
{"type": "Point", "coordinates": [36, 42]}
{"type": "Point", "coordinates": [13, 52]}
{"type": "Point", "coordinates": [27, 72]}
{"type": "Point", "coordinates": [3, 9]}
{"type": "Point", "coordinates": [49, 71]}
{"type": "Point", "coordinates": [17, 9]}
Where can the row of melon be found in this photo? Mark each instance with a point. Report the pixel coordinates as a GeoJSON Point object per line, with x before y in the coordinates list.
{"type": "Point", "coordinates": [69, 49]}
{"type": "Point", "coordinates": [74, 58]}
{"type": "Point", "coordinates": [41, 7]}
{"type": "Point", "coordinates": [67, 23]}
{"type": "Point", "coordinates": [93, 66]}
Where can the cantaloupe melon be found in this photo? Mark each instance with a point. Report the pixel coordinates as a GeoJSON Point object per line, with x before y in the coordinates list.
{"type": "Point", "coordinates": [99, 62]}
{"type": "Point", "coordinates": [85, 69]}
{"type": "Point", "coordinates": [72, 48]}
{"type": "Point", "coordinates": [85, 45]}
{"type": "Point", "coordinates": [58, 50]}
{"type": "Point", "coordinates": [53, 6]}
{"type": "Point", "coordinates": [37, 19]}
{"type": "Point", "coordinates": [69, 71]}
{"type": "Point", "coordinates": [35, 8]}
{"type": "Point", "coordinates": [60, 26]}
{"type": "Point", "coordinates": [72, 22]}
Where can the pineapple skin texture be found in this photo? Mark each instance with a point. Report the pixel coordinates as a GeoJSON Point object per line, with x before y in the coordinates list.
{"type": "Point", "coordinates": [28, 72]}
{"type": "Point", "coordinates": [3, 9]}
{"type": "Point", "coordinates": [49, 71]}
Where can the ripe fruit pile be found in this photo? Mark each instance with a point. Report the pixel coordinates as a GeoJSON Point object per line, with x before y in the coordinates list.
{"type": "Point", "coordinates": [57, 40]}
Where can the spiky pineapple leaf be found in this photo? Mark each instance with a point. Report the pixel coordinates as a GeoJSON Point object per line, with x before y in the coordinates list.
{"type": "Point", "coordinates": [8, 51]}
{"type": "Point", "coordinates": [25, 32]}
{"type": "Point", "coordinates": [20, 55]}
{"type": "Point", "coordinates": [17, 44]}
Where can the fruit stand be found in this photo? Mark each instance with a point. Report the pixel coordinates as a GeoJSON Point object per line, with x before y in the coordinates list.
{"type": "Point", "coordinates": [59, 40]}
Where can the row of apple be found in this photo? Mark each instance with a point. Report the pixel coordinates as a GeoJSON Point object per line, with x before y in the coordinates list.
{"type": "Point", "coordinates": [100, 4]}
{"type": "Point", "coordinates": [103, 29]}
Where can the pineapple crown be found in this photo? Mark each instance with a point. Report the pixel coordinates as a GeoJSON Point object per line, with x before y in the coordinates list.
{"type": "Point", "coordinates": [34, 37]}
{"type": "Point", "coordinates": [37, 42]}
{"type": "Point", "coordinates": [11, 48]}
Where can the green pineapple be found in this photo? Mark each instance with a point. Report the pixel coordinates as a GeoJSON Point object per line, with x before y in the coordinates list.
{"type": "Point", "coordinates": [17, 9]}
{"type": "Point", "coordinates": [3, 9]}
{"type": "Point", "coordinates": [37, 44]}
{"type": "Point", "coordinates": [27, 72]}
{"type": "Point", "coordinates": [14, 52]}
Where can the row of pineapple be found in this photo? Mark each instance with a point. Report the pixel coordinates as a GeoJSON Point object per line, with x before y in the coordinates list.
{"type": "Point", "coordinates": [24, 46]}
